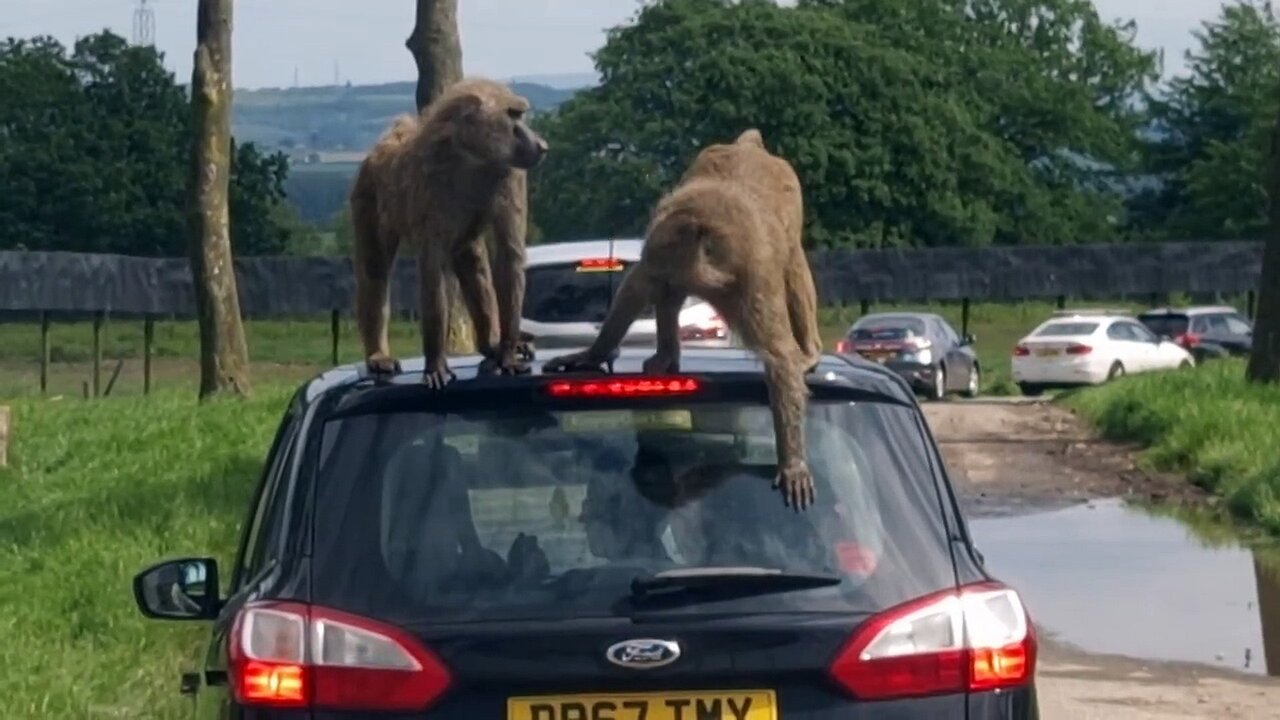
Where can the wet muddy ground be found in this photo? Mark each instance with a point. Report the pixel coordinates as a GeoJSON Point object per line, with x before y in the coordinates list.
{"type": "Point", "coordinates": [1139, 618]}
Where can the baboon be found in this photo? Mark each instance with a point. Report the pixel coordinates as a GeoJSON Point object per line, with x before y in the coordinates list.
{"type": "Point", "coordinates": [438, 183]}
{"type": "Point", "coordinates": [730, 233]}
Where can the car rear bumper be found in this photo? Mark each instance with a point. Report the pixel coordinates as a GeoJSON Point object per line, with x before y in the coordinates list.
{"type": "Point", "coordinates": [1016, 704]}
{"type": "Point", "coordinates": [1085, 371]}
{"type": "Point", "coordinates": [919, 377]}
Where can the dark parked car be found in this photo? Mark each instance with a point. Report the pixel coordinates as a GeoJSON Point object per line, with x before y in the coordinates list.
{"type": "Point", "coordinates": [580, 546]}
{"type": "Point", "coordinates": [1205, 331]}
{"type": "Point", "coordinates": [921, 347]}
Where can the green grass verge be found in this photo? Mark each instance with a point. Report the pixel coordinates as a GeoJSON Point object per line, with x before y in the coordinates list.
{"type": "Point", "coordinates": [94, 493]}
{"type": "Point", "coordinates": [1208, 423]}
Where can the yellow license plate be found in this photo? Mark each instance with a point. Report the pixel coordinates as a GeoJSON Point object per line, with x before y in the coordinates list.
{"type": "Point", "coordinates": [1046, 353]}
{"type": "Point", "coordinates": [727, 705]}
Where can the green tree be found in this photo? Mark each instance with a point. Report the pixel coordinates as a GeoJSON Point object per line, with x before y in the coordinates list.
{"type": "Point", "coordinates": [93, 154]}
{"type": "Point", "coordinates": [894, 142]}
{"type": "Point", "coordinates": [1214, 125]}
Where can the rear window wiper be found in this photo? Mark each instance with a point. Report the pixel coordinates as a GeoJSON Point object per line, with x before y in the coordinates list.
{"type": "Point", "coordinates": [726, 582]}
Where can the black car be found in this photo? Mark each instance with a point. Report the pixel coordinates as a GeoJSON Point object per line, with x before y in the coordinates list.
{"type": "Point", "coordinates": [1206, 332]}
{"type": "Point", "coordinates": [921, 347]}
{"type": "Point", "coordinates": [601, 546]}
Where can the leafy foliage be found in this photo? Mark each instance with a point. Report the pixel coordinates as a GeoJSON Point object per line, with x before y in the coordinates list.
{"type": "Point", "coordinates": [939, 122]}
{"type": "Point", "coordinates": [1215, 123]}
{"type": "Point", "coordinates": [94, 150]}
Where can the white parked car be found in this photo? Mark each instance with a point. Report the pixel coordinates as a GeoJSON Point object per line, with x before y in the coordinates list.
{"type": "Point", "coordinates": [1075, 348]}
{"type": "Point", "coordinates": [570, 285]}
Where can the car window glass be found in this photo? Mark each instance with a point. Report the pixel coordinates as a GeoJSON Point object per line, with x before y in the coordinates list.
{"type": "Point", "coordinates": [1118, 331]}
{"type": "Point", "coordinates": [1139, 332]}
{"type": "Point", "coordinates": [522, 514]}
{"type": "Point", "coordinates": [1237, 325]}
{"type": "Point", "coordinates": [573, 292]}
{"type": "Point", "coordinates": [1066, 329]}
{"type": "Point", "coordinates": [948, 333]}
{"type": "Point", "coordinates": [888, 327]}
{"type": "Point", "coordinates": [1199, 324]}
{"type": "Point", "coordinates": [1167, 325]}
{"type": "Point", "coordinates": [1217, 324]}
{"type": "Point", "coordinates": [267, 513]}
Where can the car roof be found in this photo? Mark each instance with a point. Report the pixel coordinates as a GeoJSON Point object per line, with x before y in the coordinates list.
{"type": "Point", "coordinates": [865, 374]}
{"type": "Point", "coordinates": [551, 253]}
{"type": "Point", "coordinates": [1191, 310]}
{"type": "Point", "coordinates": [890, 314]}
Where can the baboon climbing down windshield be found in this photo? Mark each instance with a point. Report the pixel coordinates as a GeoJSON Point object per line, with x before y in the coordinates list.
{"type": "Point", "coordinates": [730, 233]}
{"type": "Point", "coordinates": [438, 183]}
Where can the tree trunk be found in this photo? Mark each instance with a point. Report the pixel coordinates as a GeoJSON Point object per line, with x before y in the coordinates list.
{"type": "Point", "coordinates": [224, 357]}
{"type": "Point", "coordinates": [1264, 361]}
{"type": "Point", "coordinates": [437, 51]}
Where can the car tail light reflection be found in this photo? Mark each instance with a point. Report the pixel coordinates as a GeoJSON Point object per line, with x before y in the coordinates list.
{"type": "Point", "coordinates": [844, 346]}
{"type": "Point", "coordinates": [300, 656]}
{"type": "Point", "coordinates": [623, 387]}
{"type": "Point", "coordinates": [976, 639]}
{"type": "Point", "coordinates": [1021, 351]}
{"type": "Point", "coordinates": [713, 328]}
{"type": "Point", "coordinates": [1078, 349]}
{"type": "Point", "coordinates": [599, 265]}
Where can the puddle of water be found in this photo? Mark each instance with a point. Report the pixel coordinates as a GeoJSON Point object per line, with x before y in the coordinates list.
{"type": "Point", "coordinates": [1110, 578]}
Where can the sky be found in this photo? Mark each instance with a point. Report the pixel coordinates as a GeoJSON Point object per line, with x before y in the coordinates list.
{"type": "Point", "coordinates": [362, 41]}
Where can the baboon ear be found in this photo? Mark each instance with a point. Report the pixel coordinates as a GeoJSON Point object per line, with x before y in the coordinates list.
{"type": "Point", "coordinates": [465, 107]}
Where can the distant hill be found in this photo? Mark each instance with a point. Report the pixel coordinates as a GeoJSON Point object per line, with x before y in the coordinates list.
{"type": "Point", "coordinates": [339, 118]}
{"type": "Point", "coordinates": [325, 130]}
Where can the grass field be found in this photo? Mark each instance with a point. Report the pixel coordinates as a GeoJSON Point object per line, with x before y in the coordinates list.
{"type": "Point", "coordinates": [292, 350]}
{"type": "Point", "coordinates": [95, 492]}
{"type": "Point", "coordinates": [1208, 423]}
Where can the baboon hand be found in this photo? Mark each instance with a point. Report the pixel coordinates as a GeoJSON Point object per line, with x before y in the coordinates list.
{"type": "Point", "coordinates": [503, 364]}
{"type": "Point", "coordinates": [796, 482]}
{"type": "Point", "coordinates": [575, 361]}
{"type": "Point", "coordinates": [660, 364]}
{"type": "Point", "coordinates": [438, 376]}
{"type": "Point", "coordinates": [382, 364]}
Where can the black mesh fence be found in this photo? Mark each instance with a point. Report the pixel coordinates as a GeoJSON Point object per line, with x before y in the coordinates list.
{"type": "Point", "coordinates": [75, 283]}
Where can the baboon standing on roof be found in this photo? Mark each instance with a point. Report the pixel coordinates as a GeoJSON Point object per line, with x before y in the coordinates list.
{"type": "Point", "coordinates": [437, 183]}
{"type": "Point", "coordinates": [730, 233]}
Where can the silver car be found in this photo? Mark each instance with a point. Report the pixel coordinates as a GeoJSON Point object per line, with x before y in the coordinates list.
{"type": "Point", "coordinates": [569, 287]}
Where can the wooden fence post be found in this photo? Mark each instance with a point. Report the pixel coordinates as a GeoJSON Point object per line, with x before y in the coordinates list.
{"type": "Point", "coordinates": [98, 318]}
{"type": "Point", "coordinates": [334, 329]}
{"type": "Point", "coordinates": [1062, 302]}
{"type": "Point", "coordinates": [964, 317]}
{"type": "Point", "coordinates": [148, 338]}
{"type": "Point", "coordinates": [1251, 304]}
{"type": "Point", "coordinates": [44, 353]}
{"type": "Point", "coordinates": [4, 436]}
{"type": "Point", "coordinates": [864, 306]}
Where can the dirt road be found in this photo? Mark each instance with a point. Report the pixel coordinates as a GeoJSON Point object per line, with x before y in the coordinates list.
{"type": "Point", "coordinates": [1020, 457]}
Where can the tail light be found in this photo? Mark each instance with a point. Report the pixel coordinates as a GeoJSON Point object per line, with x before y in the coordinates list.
{"type": "Point", "coordinates": [606, 264]}
{"type": "Point", "coordinates": [291, 655]}
{"type": "Point", "coordinates": [714, 328]}
{"type": "Point", "coordinates": [623, 387]}
{"type": "Point", "coordinates": [1187, 339]}
{"type": "Point", "coordinates": [972, 640]}
{"type": "Point", "coordinates": [1078, 349]}
{"type": "Point", "coordinates": [844, 346]}
{"type": "Point", "coordinates": [1020, 351]}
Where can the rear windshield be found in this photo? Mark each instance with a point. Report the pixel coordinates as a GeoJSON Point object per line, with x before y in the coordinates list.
{"type": "Point", "coordinates": [1166, 325]}
{"type": "Point", "coordinates": [1065, 329]}
{"type": "Point", "coordinates": [566, 292]}
{"type": "Point", "coordinates": [527, 514]}
{"type": "Point", "coordinates": [888, 328]}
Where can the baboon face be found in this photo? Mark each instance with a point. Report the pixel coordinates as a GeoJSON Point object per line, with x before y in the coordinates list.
{"type": "Point", "coordinates": [491, 128]}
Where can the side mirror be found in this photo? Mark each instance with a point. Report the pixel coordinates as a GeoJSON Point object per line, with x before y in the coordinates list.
{"type": "Point", "coordinates": [969, 339]}
{"type": "Point", "coordinates": [185, 589]}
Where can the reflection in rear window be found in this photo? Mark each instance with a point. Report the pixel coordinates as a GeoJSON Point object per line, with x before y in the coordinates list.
{"type": "Point", "coordinates": [561, 293]}
{"type": "Point", "coordinates": [1167, 325]}
{"type": "Point", "coordinates": [888, 328]}
{"type": "Point", "coordinates": [532, 514]}
{"type": "Point", "coordinates": [1066, 328]}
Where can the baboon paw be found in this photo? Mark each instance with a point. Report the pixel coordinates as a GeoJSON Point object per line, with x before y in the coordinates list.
{"type": "Point", "coordinates": [503, 366]}
{"type": "Point", "coordinates": [796, 482]}
{"type": "Point", "coordinates": [577, 362]}
{"type": "Point", "coordinates": [437, 379]}
{"type": "Point", "coordinates": [660, 364]}
{"type": "Point", "coordinates": [379, 364]}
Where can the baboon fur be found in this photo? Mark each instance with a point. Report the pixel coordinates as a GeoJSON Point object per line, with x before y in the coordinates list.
{"type": "Point", "coordinates": [730, 233]}
{"type": "Point", "coordinates": [438, 183]}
